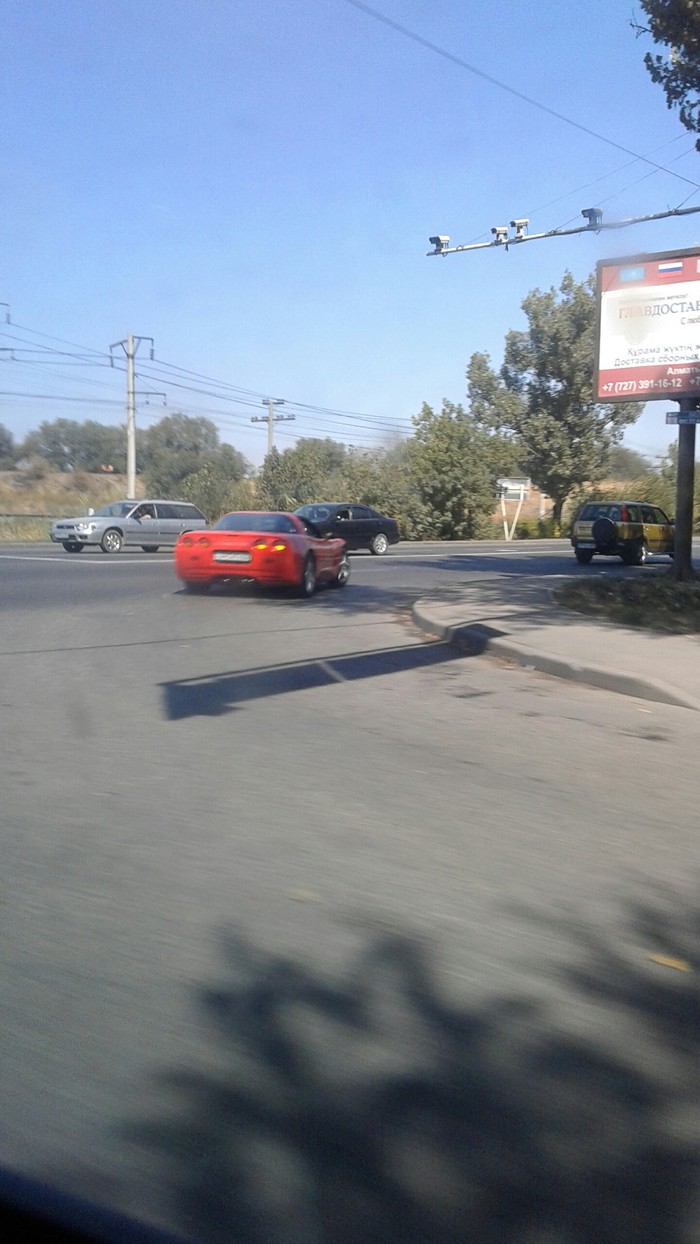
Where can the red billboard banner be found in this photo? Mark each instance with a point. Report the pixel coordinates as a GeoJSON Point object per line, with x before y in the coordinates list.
{"type": "Point", "coordinates": [648, 341]}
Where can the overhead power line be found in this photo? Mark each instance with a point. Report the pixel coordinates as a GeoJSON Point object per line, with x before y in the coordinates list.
{"type": "Point", "coordinates": [315, 420]}
{"type": "Point", "coordinates": [505, 86]}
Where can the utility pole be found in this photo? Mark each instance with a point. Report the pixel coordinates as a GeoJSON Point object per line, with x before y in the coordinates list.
{"type": "Point", "coordinates": [270, 418]}
{"type": "Point", "coordinates": [685, 480]}
{"type": "Point", "coordinates": [130, 347]}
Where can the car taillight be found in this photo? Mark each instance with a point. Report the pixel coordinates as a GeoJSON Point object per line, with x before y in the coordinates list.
{"type": "Point", "coordinates": [204, 542]}
{"type": "Point", "coordinates": [270, 546]}
{"type": "Point", "coordinates": [187, 541]}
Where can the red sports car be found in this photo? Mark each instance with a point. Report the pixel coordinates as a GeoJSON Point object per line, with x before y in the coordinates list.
{"type": "Point", "coordinates": [279, 549]}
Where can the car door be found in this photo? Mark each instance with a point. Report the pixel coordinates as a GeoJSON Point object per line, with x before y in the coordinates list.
{"type": "Point", "coordinates": [322, 542]}
{"type": "Point", "coordinates": [666, 531]}
{"type": "Point", "coordinates": [140, 525]}
{"type": "Point", "coordinates": [366, 525]}
{"type": "Point", "coordinates": [169, 523]}
{"type": "Point", "coordinates": [652, 531]}
{"type": "Point", "coordinates": [345, 526]}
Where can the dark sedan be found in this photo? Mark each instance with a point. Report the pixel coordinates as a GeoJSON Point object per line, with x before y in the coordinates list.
{"type": "Point", "coordinates": [358, 525]}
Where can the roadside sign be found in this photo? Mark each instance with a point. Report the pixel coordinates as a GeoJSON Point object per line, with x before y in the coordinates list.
{"type": "Point", "coordinates": [514, 488]}
{"type": "Point", "coordinates": [648, 338]}
{"type": "Point", "coordinates": [683, 416]}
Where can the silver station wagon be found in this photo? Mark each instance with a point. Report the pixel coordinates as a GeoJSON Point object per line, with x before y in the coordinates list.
{"type": "Point", "coordinates": [148, 524]}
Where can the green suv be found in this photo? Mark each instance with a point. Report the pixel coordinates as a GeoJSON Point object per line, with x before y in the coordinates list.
{"type": "Point", "coordinates": [632, 530]}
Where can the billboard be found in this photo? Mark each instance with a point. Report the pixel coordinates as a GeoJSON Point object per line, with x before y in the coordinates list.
{"type": "Point", "coordinates": [648, 340]}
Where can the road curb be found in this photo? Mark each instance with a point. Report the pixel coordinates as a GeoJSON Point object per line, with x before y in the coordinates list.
{"type": "Point", "coordinates": [477, 639]}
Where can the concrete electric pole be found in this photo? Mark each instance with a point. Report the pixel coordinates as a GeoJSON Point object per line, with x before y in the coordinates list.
{"type": "Point", "coordinates": [130, 347]}
{"type": "Point", "coordinates": [270, 418]}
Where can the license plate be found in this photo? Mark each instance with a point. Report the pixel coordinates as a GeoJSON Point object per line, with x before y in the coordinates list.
{"type": "Point", "coordinates": [585, 544]}
{"type": "Point", "coordinates": [232, 557]}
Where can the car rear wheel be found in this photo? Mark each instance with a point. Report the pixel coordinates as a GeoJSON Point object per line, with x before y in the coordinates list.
{"type": "Point", "coordinates": [150, 548]}
{"type": "Point", "coordinates": [307, 583]}
{"type": "Point", "coordinates": [111, 541]}
{"type": "Point", "coordinates": [584, 556]}
{"type": "Point", "coordinates": [342, 574]}
{"type": "Point", "coordinates": [635, 554]}
{"type": "Point", "coordinates": [197, 587]}
{"type": "Point", "coordinates": [379, 544]}
{"type": "Point", "coordinates": [72, 546]}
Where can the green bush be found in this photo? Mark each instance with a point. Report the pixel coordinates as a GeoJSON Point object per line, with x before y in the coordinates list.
{"type": "Point", "coordinates": [537, 529]}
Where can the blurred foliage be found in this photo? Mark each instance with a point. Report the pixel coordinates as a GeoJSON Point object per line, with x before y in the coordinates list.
{"type": "Point", "coordinates": [308, 471]}
{"type": "Point", "coordinates": [180, 446]}
{"type": "Point", "coordinates": [213, 491]}
{"type": "Point", "coordinates": [676, 24]}
{"type": "Point", "coordinates": [454, 464]}
{"type": "Point", "coordinates": [626, 464]}
{"type": "Point", "coordinates": [9, 452]}
{"type": "Point", "coordinates": [67, 445]}
{"type": "Point", "coordinates": [536, 529]}
{"type": "Point", "coordinates": [656, 485]}
{"type": "Point", "coordinates": [542, 396]}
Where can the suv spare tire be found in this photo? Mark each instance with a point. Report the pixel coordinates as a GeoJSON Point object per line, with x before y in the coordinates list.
{"type": "Point", "coordinates": [604, 532]}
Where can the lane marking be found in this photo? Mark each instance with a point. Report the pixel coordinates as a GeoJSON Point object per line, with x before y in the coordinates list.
{"type": "Point", "coordinates": [327, 668]}
{"type": "Point", "coordinates": [76, 560]}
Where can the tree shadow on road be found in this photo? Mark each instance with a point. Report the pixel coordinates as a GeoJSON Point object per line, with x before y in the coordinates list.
{"type": "Point", "coordinates": [369, 1107]}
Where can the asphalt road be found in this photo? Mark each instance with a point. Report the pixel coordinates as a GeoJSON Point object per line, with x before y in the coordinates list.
{"type": "Point", "coordinates": [317, 931]}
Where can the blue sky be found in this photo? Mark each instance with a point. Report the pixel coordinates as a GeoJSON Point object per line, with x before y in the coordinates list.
{"type": "Point", "coordinates": [253, 185]}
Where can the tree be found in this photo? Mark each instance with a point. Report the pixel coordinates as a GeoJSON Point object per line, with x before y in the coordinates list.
{"type": "Point", "coordinates": [68, 445]}
{"type": "Point", "coordinates": [676, 25]}
{"type": "Point", "coordinates": [626, 464]}
{"type": "Point", "coordinates": [8, 451]}
{"type": "Point", "coordinates": [658, 484]}
{"type": "Point", "coordinates": [384, 480]}
{"type": "Point", "coordinates": [543, 395]}
{"type": "Point", "coordinates": [454, 466]}
{"type": "Point", "coordinates": [211, 489]}
{"type": "Point", "coordinates": [179, 446]}
{"type": "Point", "coordinates": [303, 473]}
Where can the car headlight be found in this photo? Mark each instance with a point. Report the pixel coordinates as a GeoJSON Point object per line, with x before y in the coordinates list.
{"type": "Point", "coordinates": [84, 526]}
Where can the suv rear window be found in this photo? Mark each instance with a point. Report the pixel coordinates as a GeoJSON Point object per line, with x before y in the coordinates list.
{"type": "Point", "coordinates": [600, 510]}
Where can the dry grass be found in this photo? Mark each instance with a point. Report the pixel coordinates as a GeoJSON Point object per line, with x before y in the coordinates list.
{"type": "Point", "coordinates": [32, 503]}
{"type": "Point", "coordinates": [654, 601]}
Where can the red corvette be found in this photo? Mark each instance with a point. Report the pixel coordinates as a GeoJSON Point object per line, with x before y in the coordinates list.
{"type": "Point", "coordinates": [280, 549]}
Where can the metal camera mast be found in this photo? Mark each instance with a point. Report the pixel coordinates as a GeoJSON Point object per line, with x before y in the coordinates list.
{"type": "Point", "coordinates": [594, 224]}
{"type": "Point", "coordinates": [689, 406]}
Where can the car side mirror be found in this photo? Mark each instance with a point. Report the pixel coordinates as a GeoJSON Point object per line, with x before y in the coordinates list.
{"type": "Point", "coordinates": [91, 512]}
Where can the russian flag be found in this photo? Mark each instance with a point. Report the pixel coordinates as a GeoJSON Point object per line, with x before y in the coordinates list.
{"type": "Point", "coordinates": [671, 265]}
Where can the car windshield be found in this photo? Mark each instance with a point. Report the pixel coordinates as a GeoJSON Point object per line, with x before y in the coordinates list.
{"type": "Point", "coordinates": [118, 509]}
{"type": "Point", "coordinates": [252, 521]}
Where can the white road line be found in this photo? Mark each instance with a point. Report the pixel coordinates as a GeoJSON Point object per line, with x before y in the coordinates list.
{"type": "Point", "coordinates": [327, 669]}
{"type": "Point", "coordinates": [75, 561]}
